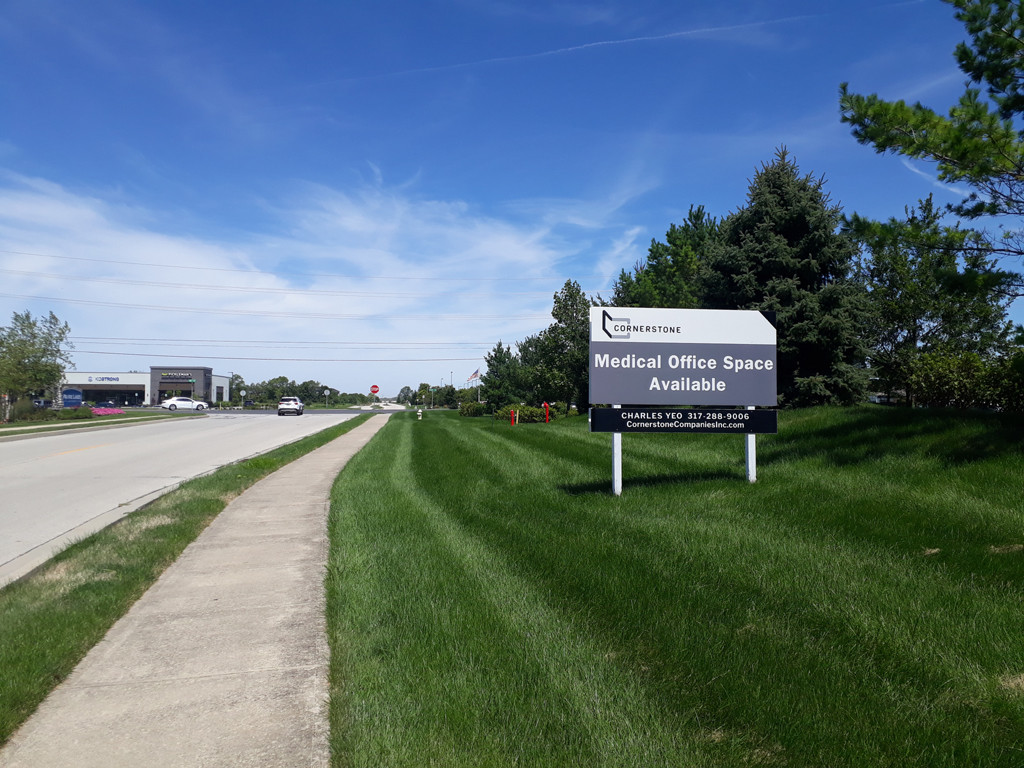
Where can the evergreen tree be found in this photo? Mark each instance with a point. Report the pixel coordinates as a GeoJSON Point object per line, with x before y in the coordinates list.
{"type": "Point", "coordinates": [980, 142]}
{"type": "Point", "coordinates": [668, 277]}
{"type": "Point", "coordinates": [502, 384]}
{"type": "Point", "coordinates": [932, 291]}
{"type": "Point", "coordinates": [782, 252]}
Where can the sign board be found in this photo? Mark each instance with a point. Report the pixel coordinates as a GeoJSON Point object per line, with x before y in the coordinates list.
{"type": "Point", "coordinates": [675, 356]}
{"type": "Point", "coordinates": [71, 398]}
{"type": "Point", "coordinates": [733, 421]}
{"type": "Point", "coordinates": [374, 389]}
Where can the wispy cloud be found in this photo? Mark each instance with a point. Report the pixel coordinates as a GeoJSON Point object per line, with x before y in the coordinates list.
{"type": "Point", "coordinates": [952, 189]}
{"type": "Point", "coordinates": [697, 32]}
{"type": "Point", "coordinates": [368, 263]}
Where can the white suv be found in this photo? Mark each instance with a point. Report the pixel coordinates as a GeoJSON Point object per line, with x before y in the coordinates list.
{"type": "Point", "coordinates": [290, 405]}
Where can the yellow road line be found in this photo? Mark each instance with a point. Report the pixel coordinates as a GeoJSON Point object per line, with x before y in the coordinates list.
{"type": "Point", "coordinates": [76, 450]}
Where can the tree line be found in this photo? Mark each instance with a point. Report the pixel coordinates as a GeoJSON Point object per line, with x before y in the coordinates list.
{"type": "Point", "coordinates": [442, 396]}
{"type": "Point", "coordinates": [309, 392]}
{"type": "Point", "coordinates": [914, 308]}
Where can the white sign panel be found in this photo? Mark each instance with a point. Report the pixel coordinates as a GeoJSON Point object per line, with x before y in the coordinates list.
{"type": "Point", "coordinates": [643, 356]}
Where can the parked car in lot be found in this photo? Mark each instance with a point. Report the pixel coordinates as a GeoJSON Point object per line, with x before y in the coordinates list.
{"type": "Point", "coordinates": [107, 404]}
{"type": "Point", "coordinates": [183, 404]}
{"type": "Point", "coordinates": [290, 405]}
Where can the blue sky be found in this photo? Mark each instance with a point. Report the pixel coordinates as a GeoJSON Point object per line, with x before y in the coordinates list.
{"type": "Point", "coordinates": [378, 192]}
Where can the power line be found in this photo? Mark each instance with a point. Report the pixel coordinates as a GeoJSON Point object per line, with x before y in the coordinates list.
{"type": "Point", "coordinates": [151, 354]}
{"type": "Point", "coordinates": [276, 343]}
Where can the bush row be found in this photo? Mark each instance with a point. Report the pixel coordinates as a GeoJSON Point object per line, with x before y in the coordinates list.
{"type": "Point", "coordinates": [969, 381]}
{"type": "Point", "coordinates": [25, 410]}
{"type": "Point", "coordinates": [531, 414]}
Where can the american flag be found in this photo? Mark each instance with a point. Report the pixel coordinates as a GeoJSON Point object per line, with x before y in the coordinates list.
{"type": "Point", "coordinates": [474, 375]}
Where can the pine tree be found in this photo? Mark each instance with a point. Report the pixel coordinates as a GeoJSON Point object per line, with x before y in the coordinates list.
{"type": "Point", "coordinates": [783, 252]}
{"type": "Point", "coordinates": [979, 143]}
{"type": "Point", "coordinates": [668, 277]}
{"type": "Point", "coordinates": [933, 291]}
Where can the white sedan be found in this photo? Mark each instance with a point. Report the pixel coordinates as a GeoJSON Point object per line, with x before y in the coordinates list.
{"type": "Point", "coordinates": [184, 404]}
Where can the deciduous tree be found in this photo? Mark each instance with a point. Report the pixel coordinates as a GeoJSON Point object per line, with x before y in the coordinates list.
{"type": "Point", "coordinates": [34, 353]}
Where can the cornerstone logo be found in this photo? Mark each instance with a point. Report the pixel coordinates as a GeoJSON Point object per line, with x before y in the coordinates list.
{"type": "Point", "coordinates": [607, 319]}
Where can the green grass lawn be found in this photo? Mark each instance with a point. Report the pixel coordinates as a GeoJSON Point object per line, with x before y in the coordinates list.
{"type": "Point", "coordinates": [491, 603]}
{"type": "Point", "coordinates": [36, 427]}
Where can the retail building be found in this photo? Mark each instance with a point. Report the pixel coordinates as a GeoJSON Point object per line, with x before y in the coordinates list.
{"type": "Point", "coordinates": [137, 388]}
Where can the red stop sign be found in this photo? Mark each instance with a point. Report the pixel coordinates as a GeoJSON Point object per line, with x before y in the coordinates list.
{"type": "Point", "coordinates": [374, 389]}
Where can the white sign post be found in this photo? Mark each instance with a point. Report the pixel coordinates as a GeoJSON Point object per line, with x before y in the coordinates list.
{"type": "Point", "coordinates": [751, 454]}
{"type": "Point", "coordinates": [617, 461]}
{"type": "Point", "coordinates": [667, 357]}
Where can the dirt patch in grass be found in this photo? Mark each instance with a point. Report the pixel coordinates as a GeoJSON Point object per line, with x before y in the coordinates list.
{"type": "Point", "coordinates": [1013, 683]}
{"type": "Point", "coordinates": [1006, 549]}
{"type": "Point", "coordinates": [132, 529]}
{"type": "Point", "coordinates": [65, 576]}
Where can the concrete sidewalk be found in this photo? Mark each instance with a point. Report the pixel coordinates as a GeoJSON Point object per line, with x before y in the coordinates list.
{"type": "Point", "coordinates": [223, 662]}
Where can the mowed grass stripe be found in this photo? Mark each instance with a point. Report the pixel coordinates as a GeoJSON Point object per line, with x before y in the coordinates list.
{"type": "Point", "coordinates": [613, 719]}
{"type": "Point", "coordinates": [513, 664]}
{"type": "Point", "coordinates": [797, 621]}
{"type": "Point", "coordinates": [745, 554]}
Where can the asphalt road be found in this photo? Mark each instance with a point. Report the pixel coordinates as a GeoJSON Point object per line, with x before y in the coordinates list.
{"type": "Point", "coordinates": [59, 487]}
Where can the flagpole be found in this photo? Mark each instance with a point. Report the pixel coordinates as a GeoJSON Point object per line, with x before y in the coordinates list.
{"type": "Point", "coordinates": [475, 376]}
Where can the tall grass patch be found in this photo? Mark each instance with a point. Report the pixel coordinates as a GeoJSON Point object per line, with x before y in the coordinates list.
{"type": "Point", "coordinates": [491, 603]}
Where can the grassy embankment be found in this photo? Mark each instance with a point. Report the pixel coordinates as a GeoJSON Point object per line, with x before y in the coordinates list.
{"type": "Point", "coordinates": [50, 619]}
{"type": "Point", "coordinates": [491, 603]}
{"type": "Point", "coordinates": [14, 428]}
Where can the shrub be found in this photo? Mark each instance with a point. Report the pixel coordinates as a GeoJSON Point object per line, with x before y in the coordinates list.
{"type": "Point", "coordinates": [73, 414]}
{"type": "Point", "coordinates": [22, 410]}
{"type": "Point", "coordinates": [472, 408]}
{"type": "Point", "coordinates": [1006, 379]}
{"type": "Point", "coordinates": [561, 409]}
{"type": "Point", "coordinates": [968, 381]}
{"type": "Point", "coordinates": [527, 414]}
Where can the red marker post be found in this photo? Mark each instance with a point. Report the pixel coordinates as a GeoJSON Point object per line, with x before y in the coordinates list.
{"type": "Point", "coordinates": [547, 414]}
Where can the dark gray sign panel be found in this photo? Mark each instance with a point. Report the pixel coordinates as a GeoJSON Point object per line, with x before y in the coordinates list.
{"type": "Point", "coordinates": [734, 421]}
{"type": "Point", "coordinates": [682, 356]}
